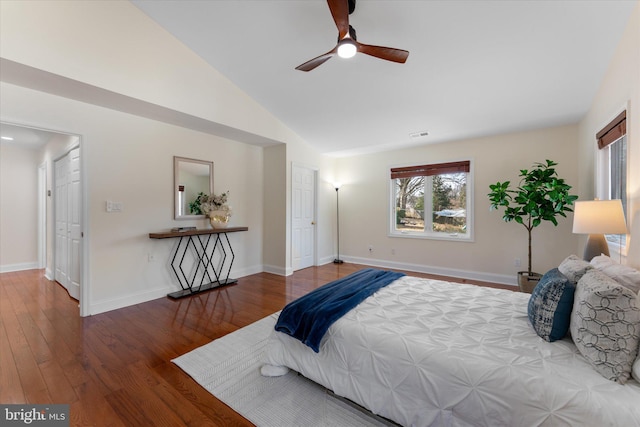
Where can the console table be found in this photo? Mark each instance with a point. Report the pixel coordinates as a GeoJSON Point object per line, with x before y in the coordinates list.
{"type": "Point", "coordinates": [209, 259]}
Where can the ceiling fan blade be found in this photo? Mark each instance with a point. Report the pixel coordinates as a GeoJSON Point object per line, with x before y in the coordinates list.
{"type": "Point", "coordinates": [388, 53]}
{"type": "Point", "coordinates": [318, 60]}
{"type": "Point", "coordinates": [340, 12]}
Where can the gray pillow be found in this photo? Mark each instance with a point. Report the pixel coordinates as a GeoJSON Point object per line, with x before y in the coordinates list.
{"type": "Point", "coordinates": [605, 325]}
{"type": "Point", "coordinates": [574, 268]}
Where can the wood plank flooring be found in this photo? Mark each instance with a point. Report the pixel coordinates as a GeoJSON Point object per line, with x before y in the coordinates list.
{"type": "Point", "coordinates": [114, 368]}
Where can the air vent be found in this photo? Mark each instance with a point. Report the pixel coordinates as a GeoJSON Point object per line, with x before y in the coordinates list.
{"type": "Point", "coordinates": [419, 134]}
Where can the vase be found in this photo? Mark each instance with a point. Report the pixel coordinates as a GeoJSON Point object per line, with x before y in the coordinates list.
{"type": "Point", "coordinates": [219, 219]}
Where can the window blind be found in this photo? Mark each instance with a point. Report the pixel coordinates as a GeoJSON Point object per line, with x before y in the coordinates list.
{"type": "Point", "coordinates": [429, 170]}
{"type": "Point", "coordinates": [613, 131]}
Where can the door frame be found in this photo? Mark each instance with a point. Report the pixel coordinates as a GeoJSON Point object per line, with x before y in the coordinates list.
{"type": "Point", "coordinates": [42, 217]}
{"type": "Point", "coordinates": [85, 289]}
{"type": "Point", "coordinates": [315, 171]}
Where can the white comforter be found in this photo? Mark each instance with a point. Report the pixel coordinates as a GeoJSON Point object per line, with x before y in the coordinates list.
{"type": "Point", "coordinates": [422, 352]}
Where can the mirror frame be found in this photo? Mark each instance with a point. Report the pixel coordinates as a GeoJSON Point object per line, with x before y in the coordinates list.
{"type": "Point", "coordinates": [176, 172]}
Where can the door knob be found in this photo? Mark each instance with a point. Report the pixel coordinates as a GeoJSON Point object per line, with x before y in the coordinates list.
{"type": "Point", "coordinates": [313, 223]}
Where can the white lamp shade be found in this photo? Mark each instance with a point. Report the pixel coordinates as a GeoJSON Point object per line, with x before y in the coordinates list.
{"type": "Point", "coordinates": [599, 217]}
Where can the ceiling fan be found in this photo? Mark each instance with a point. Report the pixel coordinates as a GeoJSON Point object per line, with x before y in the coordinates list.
{"type": "Point", "coordinates": [348, 45]}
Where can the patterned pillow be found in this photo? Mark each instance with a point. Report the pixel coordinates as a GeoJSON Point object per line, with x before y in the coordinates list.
{"type": "Point", "coordinates": [550, 305]}
{"type": "Point", "coordinates": [574, 268]}
{"type": "Point", "coordinates": [605, 325]}
{"type": "Point", "coordinates": [623, 274]}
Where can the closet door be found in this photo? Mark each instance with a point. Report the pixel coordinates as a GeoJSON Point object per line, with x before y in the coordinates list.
{"type": "Point", "coordinates": [303, 222]}
{"type": "Point", "coordinates": [74, 229]}
{"type": "Point", "coordinates": [68, 225]}
{"type": "Point", "coordinates": [61, 203]}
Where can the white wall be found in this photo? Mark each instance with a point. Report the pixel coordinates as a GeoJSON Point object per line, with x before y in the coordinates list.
{"type": "Point", "coordinates": [364, 208]}
{"type": "Point", "coordinates": [18, 208]}
{"type": "Point", "coordinates": [619, 90]}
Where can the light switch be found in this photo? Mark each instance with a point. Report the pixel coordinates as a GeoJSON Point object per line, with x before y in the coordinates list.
{"type": "Point", "coordinates": [114, 206]}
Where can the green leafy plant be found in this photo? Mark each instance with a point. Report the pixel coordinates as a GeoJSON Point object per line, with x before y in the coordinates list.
{"type": "Point", "coordinates": [541, 196]}
{"type": "Point", "coordinates": [194, 207]}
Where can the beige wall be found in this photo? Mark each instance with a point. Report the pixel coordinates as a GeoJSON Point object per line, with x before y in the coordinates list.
{"type": "Point", "coordinates": [364, 207]}
{"type": "Point", "coordinates": [130, 159]}
{"type": "Point", "coordinates": [619, 90]}
{"type": "Point", "coordinates": [18, 207]}
{"type": "Point", "coordinates": [115, 46]}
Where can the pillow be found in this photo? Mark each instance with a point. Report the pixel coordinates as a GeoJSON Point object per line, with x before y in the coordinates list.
{"type": "Point", "coordinates": [550, 305]}
{"type": "Point", "coordinates": [574, 268]}
{"type": "Point", "coordinates": [605, 325]}
{"type": "Point", "coordinates": [622, 274]}
{"type": "Point", "coordinates": [635, 370]}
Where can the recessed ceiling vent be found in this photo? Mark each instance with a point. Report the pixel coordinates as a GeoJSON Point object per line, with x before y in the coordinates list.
{"type": "Point", "coordinates": [419, 134]}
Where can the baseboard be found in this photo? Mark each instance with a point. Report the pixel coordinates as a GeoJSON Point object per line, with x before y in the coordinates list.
{"type": "Point", "coordinates": [48, 273]}
{"type": "Point", "coordinates": [8, 268]}
{"type": "Point", "coordinates": [277, 270]}
{"type": "Point", "coordinates": [440, 271]}
{"type": "Point", "coordinates": [246, 271]}
{"type": "Point", "coordinates": [128, 300]}
{"type": "Point", "coordinates": [326, 260]}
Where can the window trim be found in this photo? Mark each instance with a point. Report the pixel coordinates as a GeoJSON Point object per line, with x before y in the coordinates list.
{"type": "Point", "coordinates": [612, 132]}
{"type": "Point", "coordinates": [427, 170]}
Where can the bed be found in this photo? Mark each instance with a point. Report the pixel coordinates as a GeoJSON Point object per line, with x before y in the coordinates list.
{"type": "Point", "coordinates": [423, 352]}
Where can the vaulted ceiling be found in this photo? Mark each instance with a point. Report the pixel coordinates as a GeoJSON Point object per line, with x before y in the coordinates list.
{"type": "Point", "coordinates": [475, 68]}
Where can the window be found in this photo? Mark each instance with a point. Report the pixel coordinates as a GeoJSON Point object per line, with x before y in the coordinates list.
{"type": "Point", "coordinates": [432, 201]}
{"type": "Point", "coordinates": [612, 169]}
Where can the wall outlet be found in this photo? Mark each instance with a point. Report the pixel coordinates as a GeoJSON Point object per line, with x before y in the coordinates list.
{"type": "Point", "coordinates": [517, 262]}
{"type": "Point", "coordinates": [393, 251]}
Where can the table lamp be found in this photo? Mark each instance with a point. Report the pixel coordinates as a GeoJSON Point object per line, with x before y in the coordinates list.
{"type": "Point", "coordinates": [597, 218]}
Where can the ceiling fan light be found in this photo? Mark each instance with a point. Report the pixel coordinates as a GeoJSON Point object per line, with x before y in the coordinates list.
{"type": "Point", "coordinates": [347, 49]}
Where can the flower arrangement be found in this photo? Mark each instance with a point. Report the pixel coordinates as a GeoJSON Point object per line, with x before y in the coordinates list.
{"type": "Point", "coordinates": [214, 202]}
{"type": "Point", "coordinates": [213, 206]}
{"type": "Point", "coordinates": [205, 203]}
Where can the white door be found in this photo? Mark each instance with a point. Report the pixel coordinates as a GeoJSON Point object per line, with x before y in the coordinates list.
{"type": "Point", "coordinates": [303, 202]}
{"type": "Point", "coordinates": [74, 229]}
{"type": "Point", "coordinates": [61, 207]}
{"type": "Point", "coordinates": [68, 225]}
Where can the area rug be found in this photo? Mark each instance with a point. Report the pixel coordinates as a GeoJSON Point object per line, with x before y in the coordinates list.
{"type": "Point", "coordinates": [229, 368]}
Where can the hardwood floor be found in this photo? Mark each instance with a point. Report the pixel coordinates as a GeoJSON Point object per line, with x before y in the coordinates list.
{"type": "Point", "coordinates": [114, 368]}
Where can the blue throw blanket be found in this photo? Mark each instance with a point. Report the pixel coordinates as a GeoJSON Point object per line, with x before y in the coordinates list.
{"type": "Point", "coordinates": [308, 318]}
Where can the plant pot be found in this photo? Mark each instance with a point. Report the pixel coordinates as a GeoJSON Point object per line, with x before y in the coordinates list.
{"type": "Point", "coordinates": [526, 281]}
{"type": "Point", "coordinates": [219, 219]}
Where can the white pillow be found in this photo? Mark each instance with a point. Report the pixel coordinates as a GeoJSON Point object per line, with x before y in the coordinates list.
{"type": "Point", "coordinates": [635, 370]}
{"type": "Point", "coordinates": [625, 275]}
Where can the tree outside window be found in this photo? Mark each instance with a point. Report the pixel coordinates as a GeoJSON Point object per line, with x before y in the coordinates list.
{"type": "Point", "coordinates": [432, 204]}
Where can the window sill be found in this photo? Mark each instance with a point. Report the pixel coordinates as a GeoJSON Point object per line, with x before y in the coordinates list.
{"type": "Point", "coordinates": [428, 236]}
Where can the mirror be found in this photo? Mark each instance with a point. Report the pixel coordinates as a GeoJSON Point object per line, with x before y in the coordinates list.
{"type": "Point", "coordinates": [190, 178]}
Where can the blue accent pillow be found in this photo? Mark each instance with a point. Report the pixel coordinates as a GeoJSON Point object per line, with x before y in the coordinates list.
{"type": "Point", "coordinates": [550, 305]}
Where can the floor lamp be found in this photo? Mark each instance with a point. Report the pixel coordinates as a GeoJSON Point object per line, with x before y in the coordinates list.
{"type": "Point", "coordinates": [597, 218]}
{"type": "Point", "coordinates": [338, 260]}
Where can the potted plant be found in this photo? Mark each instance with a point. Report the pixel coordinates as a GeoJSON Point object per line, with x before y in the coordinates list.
{"type": "Point", "coordinates": [541, 196]}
